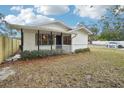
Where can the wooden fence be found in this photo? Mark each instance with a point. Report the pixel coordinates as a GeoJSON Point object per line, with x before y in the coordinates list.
{"type": "Point", "coordinates": [8, 47]}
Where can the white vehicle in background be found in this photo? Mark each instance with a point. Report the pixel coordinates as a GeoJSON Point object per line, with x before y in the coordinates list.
{"type": "Point", "coordinates": [114, 45]}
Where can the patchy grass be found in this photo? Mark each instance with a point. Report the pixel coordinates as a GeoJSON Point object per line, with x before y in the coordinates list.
{"type": "Point", "coordinates": [101, 67]}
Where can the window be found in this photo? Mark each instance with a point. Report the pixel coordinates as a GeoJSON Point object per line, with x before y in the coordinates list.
{"type": "Point", "coordinates": [67, 40]}
{"type": "Point", "coordinates": [44, 39]}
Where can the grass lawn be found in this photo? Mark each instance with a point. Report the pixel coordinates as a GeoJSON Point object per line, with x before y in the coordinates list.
{"type": "Point", "coordinates": [101, 67]}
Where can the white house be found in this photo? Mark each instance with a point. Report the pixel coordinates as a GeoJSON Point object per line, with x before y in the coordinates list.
{"type": "Point", "coordinates": [52, 35]}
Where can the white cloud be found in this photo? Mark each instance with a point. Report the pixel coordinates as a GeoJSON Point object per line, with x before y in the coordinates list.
{"type": "Point", "coordinates": [94, 12]}
{"type": "Point", "coordinates": [27, 16]}
{"type": "Point", "coordinates": [52, 10]}
{"type": "Point", "coordinates": [16, 8]}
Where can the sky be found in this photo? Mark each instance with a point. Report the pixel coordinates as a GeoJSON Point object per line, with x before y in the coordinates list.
{"type": "Point", "coordinates": [69, 14]}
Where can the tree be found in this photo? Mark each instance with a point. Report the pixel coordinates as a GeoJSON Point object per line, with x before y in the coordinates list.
{"type": "Point", "coordinates": [1, 16]}
{"type": "Point", "coordinates": [113, 24]}
{"type": "Point", "coordinates": [4, 27]}
{"type": "Point", "coordinates": [95, 31]}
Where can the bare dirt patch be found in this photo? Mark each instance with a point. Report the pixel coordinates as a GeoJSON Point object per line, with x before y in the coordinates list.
{"type": "Point", "coordinates": [5, 73]}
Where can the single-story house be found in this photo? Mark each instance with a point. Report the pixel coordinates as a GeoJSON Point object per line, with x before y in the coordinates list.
{"type": "Point", "coordinates": [52, 35]}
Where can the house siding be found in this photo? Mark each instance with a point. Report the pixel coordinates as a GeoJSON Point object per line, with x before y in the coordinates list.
{"type": "Point", "coordinates": [29, 40]}
{"type": "Point", "coordinates": [80, 41]}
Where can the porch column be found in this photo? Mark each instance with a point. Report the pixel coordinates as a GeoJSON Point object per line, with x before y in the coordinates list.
{"type": "Point", "coordinates": [38, 35]}
{"type": "Point", "coordinates": [61, 39]}
{"type": "Point", "coordinates": [51, 40]}
{"type": "Point", "coordinates": [21, 39]}
{"type": "Point", "coordinates": [70, 43]}
{"type": "Point", "coordinates": [71, 39]}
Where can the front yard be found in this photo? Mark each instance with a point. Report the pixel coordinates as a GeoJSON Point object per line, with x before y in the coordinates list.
{"type": "Point", "coordinates": [99, 68]}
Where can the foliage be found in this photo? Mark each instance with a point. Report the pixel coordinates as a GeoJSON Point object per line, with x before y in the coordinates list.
{"type": "Point", "coordinates": [82, 50]}
{"type": "Point", "coordinates": [41, 53]}
{"type": "Point", "coordinates": [112, 25]}
{"type": "Point", "coordinates": [1, 16]}
{"type": "Point", "coordinates": [25, 55]}
{"type": "Point", "coordinates": [110, 35]}
{"type": "Point", "coordinates": [95, 31]}
{"type": "Point", "coordinates": [5, 29]}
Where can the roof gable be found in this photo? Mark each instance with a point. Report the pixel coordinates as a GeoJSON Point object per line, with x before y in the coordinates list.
{"type": "Point", "coordinates": [84, 29]}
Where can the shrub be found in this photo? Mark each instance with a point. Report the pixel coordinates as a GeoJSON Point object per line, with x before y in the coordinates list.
{"type": "Point", "coordinates": [25, 55]}
{"type": "Point", "coordinates": [34, 54]}
{"type": "Point", "coordinates": [82, 50]}
{"type": "Point", "coordinates": [41, 53]}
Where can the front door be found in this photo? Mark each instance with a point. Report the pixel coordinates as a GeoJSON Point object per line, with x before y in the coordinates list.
{"type": "Point", "coordinates": [58, 41]}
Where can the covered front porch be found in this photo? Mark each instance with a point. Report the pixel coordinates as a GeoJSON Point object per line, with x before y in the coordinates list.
{"type": "Point", "coordinates": [44, 37]}
{"type": "Point", "coordinates": [52, 40]}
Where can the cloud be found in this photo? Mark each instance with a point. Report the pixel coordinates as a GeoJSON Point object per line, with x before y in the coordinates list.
{"type": "Point", "coordinates": [94, 12]}
{"type": "Point", "coordinates": [52, 10]}
{"type": "Point", "coordinates": [27, 16]}
{"type": "Point", "coordinates": [16, 8]}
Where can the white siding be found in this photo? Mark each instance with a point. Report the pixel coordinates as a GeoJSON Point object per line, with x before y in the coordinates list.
{"type": "Point", "coordinates": [66, 48]}
{"type": "Point", "coordinates": [29, 40]}
{"type": "Point", "coordinates": [80, 40]}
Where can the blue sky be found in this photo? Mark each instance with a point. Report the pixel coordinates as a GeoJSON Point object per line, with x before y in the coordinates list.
{"type": "Point", "coordinates": [70, 15]}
